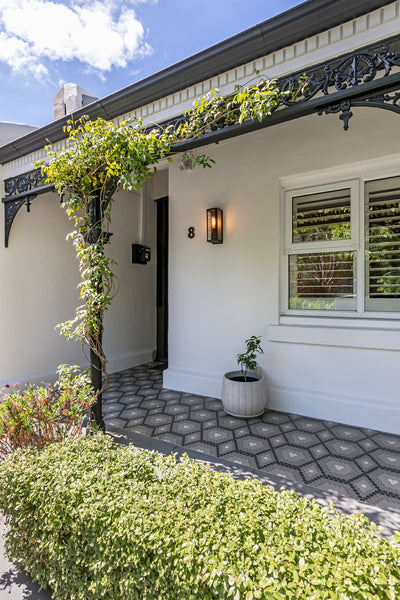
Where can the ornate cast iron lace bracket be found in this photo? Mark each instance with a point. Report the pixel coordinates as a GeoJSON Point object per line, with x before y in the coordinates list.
{"type": "Point", "coordinates": [386, 101]}
{"type": "Point", "coordinates": [343, 108]}
{"type": "Point", "coordinates": [21, 190]}
{"type": "Point", "coordinates": [345, 77]}
{"type": "Point", "coordinates": [344, 74]}
{"type": "Point", "coordinates": [97, 209]}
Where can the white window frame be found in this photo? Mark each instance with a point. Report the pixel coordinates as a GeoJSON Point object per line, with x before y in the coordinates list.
{"type": "Point", "coordinates": [355, 243]}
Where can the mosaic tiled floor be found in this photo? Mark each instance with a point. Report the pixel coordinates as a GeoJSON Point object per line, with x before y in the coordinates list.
{"type": "Point", "coordinates": [354, 462]}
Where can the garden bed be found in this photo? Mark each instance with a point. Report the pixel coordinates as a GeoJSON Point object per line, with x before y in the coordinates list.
{"type": "Point", "coordinates": [93, 520]}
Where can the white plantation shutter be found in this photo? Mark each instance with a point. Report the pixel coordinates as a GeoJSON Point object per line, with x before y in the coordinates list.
{"type": "Point", "coordinates": [321, 278]}
{"type": "Point", "coordinates": [382, 245]}
{"type": "Point", "coordinates": [318, 217]}
{"type": "Point", "coordinates": [322, 281]}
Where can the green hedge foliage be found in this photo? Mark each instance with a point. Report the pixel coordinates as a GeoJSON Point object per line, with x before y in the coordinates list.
{"type": "Point", "coordinates": [95, 520]}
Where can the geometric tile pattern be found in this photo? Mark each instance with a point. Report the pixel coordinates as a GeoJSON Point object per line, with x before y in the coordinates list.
{"type": "Point", "coordinates": [355, 462]}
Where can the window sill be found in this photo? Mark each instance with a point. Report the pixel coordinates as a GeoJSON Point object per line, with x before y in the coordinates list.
{"type": "Point", "coordinates": [354, 333]}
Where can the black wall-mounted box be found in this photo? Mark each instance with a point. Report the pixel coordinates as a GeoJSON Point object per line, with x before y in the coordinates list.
{"type": "Point", "coordinates": [140, 254]}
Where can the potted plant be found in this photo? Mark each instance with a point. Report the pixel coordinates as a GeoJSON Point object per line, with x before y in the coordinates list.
{"type": "Point", "coordinates": [243, 392]}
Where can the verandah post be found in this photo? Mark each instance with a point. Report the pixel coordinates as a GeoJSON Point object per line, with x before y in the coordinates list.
{"type": "Point", "coordinates": [96, 370]}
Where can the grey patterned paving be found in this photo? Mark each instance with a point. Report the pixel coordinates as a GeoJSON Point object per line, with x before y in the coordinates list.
{"type": "Point", "coordinates": [355, 462]}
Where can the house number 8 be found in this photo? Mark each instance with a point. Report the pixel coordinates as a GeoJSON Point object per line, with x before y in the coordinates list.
{"type": "Point", "coordinates": [191, 233]}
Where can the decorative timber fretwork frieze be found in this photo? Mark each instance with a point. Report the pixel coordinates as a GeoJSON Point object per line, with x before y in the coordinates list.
{"type": "Point", "coordinates": [20, 190]}
{"type": "Point", "coordinates": [368, 77]}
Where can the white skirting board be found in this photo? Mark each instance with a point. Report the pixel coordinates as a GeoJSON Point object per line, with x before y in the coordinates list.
{"type": "Point", "coordinates": [371, 413]}
{"type": "Point", "coordinates": [115, 364]}
{"type": "Point", "coordinates": [205, 384]}
{"type": "Point", "coordinates": [120, 363]}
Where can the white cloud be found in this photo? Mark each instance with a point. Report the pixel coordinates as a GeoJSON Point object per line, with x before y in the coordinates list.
{"type": "Point", "coordinates": [99, 34]}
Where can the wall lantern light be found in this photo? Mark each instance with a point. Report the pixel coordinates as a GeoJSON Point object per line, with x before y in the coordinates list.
{"type": "Point", "coordinates": [214, 225]}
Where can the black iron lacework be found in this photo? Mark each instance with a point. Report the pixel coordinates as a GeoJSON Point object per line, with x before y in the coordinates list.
{"type": "Point", "coordinates": [139, 381]}
{"type": "Point", "coordinates": [334, 86]}
{"type": "Point", "coordinates": [23, 183]}
{"type": "Point", "coordinates": [20, 190]}
{"type": "Point", "coordinates": [332, 77]}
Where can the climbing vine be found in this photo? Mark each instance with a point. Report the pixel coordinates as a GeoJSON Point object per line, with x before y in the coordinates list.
{"type": "Point", "coordinates": [101, 157]}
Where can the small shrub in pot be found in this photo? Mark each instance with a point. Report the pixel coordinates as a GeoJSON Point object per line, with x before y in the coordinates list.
{"type": "Point", "coordinates": [243, 392]}
{"type": "Point", "coordinates": [248, 360]}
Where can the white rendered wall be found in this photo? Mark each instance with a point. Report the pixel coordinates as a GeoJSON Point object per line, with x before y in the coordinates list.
{"type": "Point", "coordinates": [221, 295]}
{"type": "Point", "coordinates": [39, 275]}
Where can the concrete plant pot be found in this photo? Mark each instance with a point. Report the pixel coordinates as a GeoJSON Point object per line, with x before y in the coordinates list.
{"type": "Point", "coordinates": [244, 399]}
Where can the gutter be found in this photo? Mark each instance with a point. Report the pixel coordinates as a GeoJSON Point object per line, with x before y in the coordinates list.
{"type": "Point", "coordinates": [296, 24]}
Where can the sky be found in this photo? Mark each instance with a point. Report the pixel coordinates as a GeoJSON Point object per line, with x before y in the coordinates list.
{"type": "Point", "coordinates": [105, 45]}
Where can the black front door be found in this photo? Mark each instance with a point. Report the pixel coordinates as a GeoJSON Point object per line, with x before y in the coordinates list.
{"type": "Point", "coordinates": [162, 279]}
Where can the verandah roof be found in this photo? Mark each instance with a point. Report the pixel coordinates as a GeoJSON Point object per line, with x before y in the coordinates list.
{"type": "Point", "coordinates": [296, 24]}
{"type": "Point", "coordinates": [368, 77]}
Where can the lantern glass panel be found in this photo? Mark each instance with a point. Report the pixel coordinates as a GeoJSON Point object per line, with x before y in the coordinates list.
{"type": "Point", "coordinates": [214, 225]}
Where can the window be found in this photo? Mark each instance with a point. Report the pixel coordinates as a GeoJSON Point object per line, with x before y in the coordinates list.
{"type": "Point", "coordinates": [342, 250]}
{"type": "Point", "coordinates": [382, 245]}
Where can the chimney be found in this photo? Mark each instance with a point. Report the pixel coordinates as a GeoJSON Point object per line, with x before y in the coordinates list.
{"type": "Point", "coordinates": [70, 98]}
